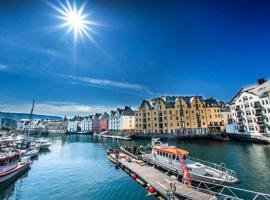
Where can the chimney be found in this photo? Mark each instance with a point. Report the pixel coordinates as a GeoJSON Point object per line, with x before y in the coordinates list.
{"type": "Point", "coordinates": [261, 81]}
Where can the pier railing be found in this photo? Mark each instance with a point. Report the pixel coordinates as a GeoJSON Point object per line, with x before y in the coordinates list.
{"type": "Point", "coordinates": [221, 167]}
{"type": "Point", "coordinates": [229, 192]}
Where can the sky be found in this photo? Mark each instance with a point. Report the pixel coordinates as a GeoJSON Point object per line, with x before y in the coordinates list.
{"type": "Point", "coordinates": [137, 50]}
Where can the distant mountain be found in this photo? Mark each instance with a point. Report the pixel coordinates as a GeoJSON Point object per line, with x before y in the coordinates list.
{"type": "Point", "coordinates": [18, 116]}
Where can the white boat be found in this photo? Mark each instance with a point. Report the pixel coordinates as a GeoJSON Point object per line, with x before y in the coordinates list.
{"type": "Point", "coordinates": [10, 164]}
{"type": "Point", "coordinates": [30, 152]}
{"type": "Point", "coordinates": [191, 169]}
{"type": "Point", "coordinates": [43, 143]}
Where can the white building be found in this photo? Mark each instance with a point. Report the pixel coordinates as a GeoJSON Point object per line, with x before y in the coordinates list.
{"type": "Point", "coordinates": [250, 110]}
{"type": "Point", "coordinates": [33, 124]}
{"type": "Point", "coordinates": [80, 124]}
{"type": "Point", "coordinates": [122, 120]}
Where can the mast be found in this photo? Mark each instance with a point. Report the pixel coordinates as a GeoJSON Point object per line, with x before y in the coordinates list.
{"type": "Point", "coordinates": [32, 109]}
{"type": "Point", "coordinates": [31, 116]}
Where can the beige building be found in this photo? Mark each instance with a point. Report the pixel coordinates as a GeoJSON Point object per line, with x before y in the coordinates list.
{"type": "Point", "coordinates": [173, 114]}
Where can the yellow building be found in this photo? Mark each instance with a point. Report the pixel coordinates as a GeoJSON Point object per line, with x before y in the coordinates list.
{"type": "Point", "coordinates": [175, 114]}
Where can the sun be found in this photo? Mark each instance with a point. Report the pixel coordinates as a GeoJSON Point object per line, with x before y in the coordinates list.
{"type": "Point", "coordinates": [74, 19]}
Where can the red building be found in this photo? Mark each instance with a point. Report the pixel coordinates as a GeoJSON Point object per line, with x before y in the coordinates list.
{"type": "Point", "coordinates": [100, 122]}
{"type": "Point", "coordinates": [104, 122]}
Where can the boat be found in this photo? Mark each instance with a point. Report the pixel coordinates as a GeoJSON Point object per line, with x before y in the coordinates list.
{"type": "Point", "coordinates": [179, 162]}
{"type": "Point", "coordinates": [132, 151]}
{"type": "Point", "coordinates": [219, 136]}
{"type": "Point", "coordinates": [11, 164]}
{"type": "Point", "coordinates": [30, 152]}
{"type": "Point", "coordinates": [118, 137]}
{"type": "Point", "coordinates": [43, 143]}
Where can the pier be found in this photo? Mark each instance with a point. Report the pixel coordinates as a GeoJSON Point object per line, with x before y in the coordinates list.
{"type": "Point", "coordinates": [161, 181]}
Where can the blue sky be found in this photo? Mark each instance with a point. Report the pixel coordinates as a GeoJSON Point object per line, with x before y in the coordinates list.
{"type": "Point", "coordinates": [142, 49]}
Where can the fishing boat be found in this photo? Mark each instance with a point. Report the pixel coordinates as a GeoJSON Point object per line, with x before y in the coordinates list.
{"type": "Point", "coordinates": [43, 143]}
{"type": "Point", "coordinates": [11, 164]}
{"type": "Point", "coordinates": [179, 162]}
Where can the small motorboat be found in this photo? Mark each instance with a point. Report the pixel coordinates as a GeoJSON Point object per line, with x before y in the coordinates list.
{"type": "Point", "coordinates": [30, 152]}
{"type": "Point", "coordinates": [219, 136]}
{"type": "Point", "coordinates": [179, 162]}
{"type": "Point", "coordinates": [43, 143]}
{"type": "Point", "coordinates": [134, 151]}
{"type": "Point", "coordinates": [11, 163]}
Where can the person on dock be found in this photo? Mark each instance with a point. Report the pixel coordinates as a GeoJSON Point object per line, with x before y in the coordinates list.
{"type": "Point", "coordinates": [117, 154]}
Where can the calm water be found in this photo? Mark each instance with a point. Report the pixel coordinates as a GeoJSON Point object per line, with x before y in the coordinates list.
{"type": "Point", "coordinates": [76, 167]}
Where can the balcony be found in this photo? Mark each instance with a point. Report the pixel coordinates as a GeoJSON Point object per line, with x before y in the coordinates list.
{"type": "Point", "coordinates": [257, 105]}
{"type": "Point", "coordinates": [260, 122]}
{"type": "Point", "coordinates": [237, 108]}
{"type": "Point", "coordinates": [258, 113]}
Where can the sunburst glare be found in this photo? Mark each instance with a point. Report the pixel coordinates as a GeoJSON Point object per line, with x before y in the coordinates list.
{"type": "Point", "coordinates": [75, 19]}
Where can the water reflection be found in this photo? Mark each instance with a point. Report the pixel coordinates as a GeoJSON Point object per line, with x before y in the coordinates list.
{"type": "Point", "coordinates": [76, 167]}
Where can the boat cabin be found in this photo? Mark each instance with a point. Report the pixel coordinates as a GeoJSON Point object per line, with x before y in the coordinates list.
{"type": "Point", "coordinates": [8, 160]}
{"type": "Point", "coordinates": [168, 155]}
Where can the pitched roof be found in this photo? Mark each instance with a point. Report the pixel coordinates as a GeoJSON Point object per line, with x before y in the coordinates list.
{"type": "Point", "coordinates": [259, 90]}
{"type": "Point", "coordinates": [211, 102]}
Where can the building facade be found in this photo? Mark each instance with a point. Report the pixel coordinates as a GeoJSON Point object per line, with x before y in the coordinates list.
{"type": "Point", "coordinates": [80, 124]}
{"type": "Point", "coordinates": [250, 110]}
{"type": "Point", "coordinates": [100, 122]}
{"type": "Point", "coordinates": [122, 120]}
{"type": "Point", "coordinates": [103, 122]}
{"type": "Point", "coordinates": [175, 114]}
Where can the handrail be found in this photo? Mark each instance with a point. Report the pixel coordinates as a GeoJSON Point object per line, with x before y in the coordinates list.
{"type": "Point", "coordinates": [223, 191]}
{"type": "Point", "coordinates": [229, 191]}
{"type": "Point", "coordinates": [221, 167]}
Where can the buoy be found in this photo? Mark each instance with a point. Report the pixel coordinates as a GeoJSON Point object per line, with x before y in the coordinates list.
{"type": "Point", "coordinates": [151, 189]}
{"type": "Point", "coordinates": [133, 176]}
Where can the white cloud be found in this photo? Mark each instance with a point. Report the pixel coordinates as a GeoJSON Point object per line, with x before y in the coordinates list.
{"type": "Point", "coordinates": [112, 84]}
{"type": "Point", "coordinates": [3, 67]}
{"type": "Point", "coordinates": [57, 108]}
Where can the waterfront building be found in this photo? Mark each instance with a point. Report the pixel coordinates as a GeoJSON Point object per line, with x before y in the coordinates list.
{"type": "Point", "coordinates": [250, 110]}
{"type": "Point", "coordinates": [80, 124]}
{"type": "Point", "coordinates": [225, 115]}
{"type": "Point", "coordinates": [103, 122]}
{"type": "Point", "coordinates": [57, 126]}
{"type": "Point", "coordinates": [177, 114]}
{"type": "Point", "coordinates": [33, 125]}
{"type": "Point", "coordinates": [100, 122]}
{"type": "Point", "coordinates": [6, 123]}
{"type": "Point", "coordinates": [95, 122]}
{"type": "Point", "coordinates": [122, 120]}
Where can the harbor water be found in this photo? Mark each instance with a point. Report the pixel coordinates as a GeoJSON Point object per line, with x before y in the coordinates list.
{"type": "Point", "coordinates": [76, 167]}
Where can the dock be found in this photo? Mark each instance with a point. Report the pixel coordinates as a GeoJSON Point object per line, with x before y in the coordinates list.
{"type": "Point", "coordinates": [161, 181]}
{"type": "Point", "coordinates": [116, 137]}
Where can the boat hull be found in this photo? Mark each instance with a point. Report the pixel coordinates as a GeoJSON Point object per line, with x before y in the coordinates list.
{"type": "Point", "coordinates": [45, 146]}
{"type": "Point", "coordinates": [248, 138]}
{"type": "Point", "coordinates": [194, 177]}
{"type": "Point", "coordinates": [19, 170]}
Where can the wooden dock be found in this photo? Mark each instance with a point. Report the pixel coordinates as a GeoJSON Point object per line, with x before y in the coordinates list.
{"type": "Point", "coordinates": [161, 181]}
